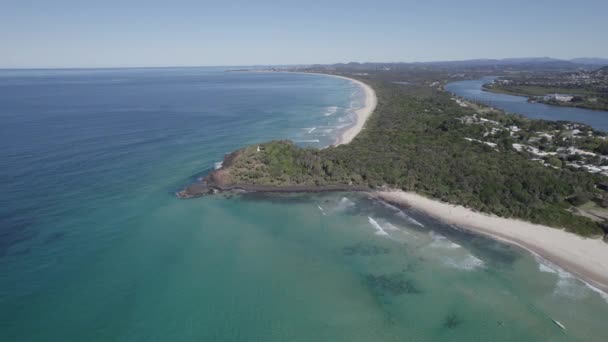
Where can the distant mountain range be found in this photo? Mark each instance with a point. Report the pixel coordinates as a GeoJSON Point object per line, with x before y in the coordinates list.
{"type": "Point", "coordinates": [529, 60]}
{"type": "Point", "coordinates": [590, 61]}
{"type": "Point", "coordinates": [524, 60]}
{"type": "Point", "coordinates": [540, 63]}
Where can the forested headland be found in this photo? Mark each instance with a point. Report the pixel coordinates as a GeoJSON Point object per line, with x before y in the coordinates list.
{"type": "Point", "coordinates": [419, 140]}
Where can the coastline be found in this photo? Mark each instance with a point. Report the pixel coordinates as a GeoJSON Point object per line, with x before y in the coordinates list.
{"type": "Point", "coordinates": [361, 114]}
{"type": "Point", "coordinates": [584, 258]}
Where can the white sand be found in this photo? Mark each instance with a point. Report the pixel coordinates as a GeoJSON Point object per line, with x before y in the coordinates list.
{"type": "Point", "coordinates": [361, 114]}
{"type": "Point", "coordinates": [585, 258]}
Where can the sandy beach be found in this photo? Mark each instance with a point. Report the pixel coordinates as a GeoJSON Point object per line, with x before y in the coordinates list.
{"type": "Point", "coordinates": [361, 114]}
{"type": "Point", "coordinates": [587, 259]}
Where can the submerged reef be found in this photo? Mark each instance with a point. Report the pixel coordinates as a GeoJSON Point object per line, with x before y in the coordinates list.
{"type": "Point", "coordinates": [365, 249]}
{"type": "Point", "coordinates": [392, 284]}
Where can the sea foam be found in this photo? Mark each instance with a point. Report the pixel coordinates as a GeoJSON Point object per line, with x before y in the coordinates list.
{"type": "Point", "coordinates": [321, 209]}
{"type": "Point", "coordinates": [377, 226]}
{"type": "Point", "coordinates": [440, 241]}
{"type": "Point", "coordinates": [409, 218]}
{"type": "Point", "coordinates": [567, 284]}
{"type": "Point", "coordinates": [469, 263]}
{"type": "Point", "coordinates": [330, 110]}
{"type": "Point", "coordinates": [344, 204]}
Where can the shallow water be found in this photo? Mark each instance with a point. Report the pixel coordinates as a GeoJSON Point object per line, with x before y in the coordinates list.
{"type": "Point", "coordinates": [472, 90]}
{"type": "Point", "coordinates": [95, 247]}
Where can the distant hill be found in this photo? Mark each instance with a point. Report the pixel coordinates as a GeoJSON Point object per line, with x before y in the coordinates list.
{"type": "Point", "coordinates": [590, 61]}
{"type": "Point", "coordinates": [524, 63]}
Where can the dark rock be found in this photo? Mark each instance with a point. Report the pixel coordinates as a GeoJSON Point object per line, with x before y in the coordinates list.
{"type": "Point", "coordinates": [365, 249]}
{"type": "Point", "coordinates": [393, 284]}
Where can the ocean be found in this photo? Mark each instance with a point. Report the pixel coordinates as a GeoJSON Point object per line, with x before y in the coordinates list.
{"type": "Point", "coordinates": [94, 245]}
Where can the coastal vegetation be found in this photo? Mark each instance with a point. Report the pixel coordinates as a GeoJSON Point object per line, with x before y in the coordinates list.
{"type": "Point", "coordinates": [420, 139]}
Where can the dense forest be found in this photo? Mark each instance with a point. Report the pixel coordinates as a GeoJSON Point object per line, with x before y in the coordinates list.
{"type": "Point", "coordinates": [415, 141]}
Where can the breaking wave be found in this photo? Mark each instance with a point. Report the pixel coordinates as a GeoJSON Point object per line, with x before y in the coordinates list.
{"type": "Point", "coordinates": [469, 263]}
{"type": "Point", "coordinates": [321, 209]}
{"type": "Point", "coordinates": [389, 226]}
{"type": "Point", "coordinates": [567, 285]}
{"type": "Point", "coordinates": [344, 204]}
{"type": "Point", "coordinates": [377, 226]}
{"type": "Point", "coordinates": [440, 241]}
{"type": "Point", "coordinates": [330, 110]}
{"type": "Point", "coordinates": [218, 165]}
{"type": "Point", "coordinates": [603, 294]}
{"type": "Point", "coordinates": [409, 218]}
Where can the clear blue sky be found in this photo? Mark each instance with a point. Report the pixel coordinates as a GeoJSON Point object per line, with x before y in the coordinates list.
{"type": "Point", "coordinates": [70, 33]}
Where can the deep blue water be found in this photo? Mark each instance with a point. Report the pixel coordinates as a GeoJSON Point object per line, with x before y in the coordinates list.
{"type": "Point", "coordinates": [69, 136]}
{"type": "Point", "coordinates": [472, 90]}
{"type": "Point", "coordinates": [94, 246]}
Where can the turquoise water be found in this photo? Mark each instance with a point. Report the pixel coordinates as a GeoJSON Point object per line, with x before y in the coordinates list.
{"type": "Point", "coordinates": [95, 247]}
{"type": "Point", "coordinates": [472, 90]}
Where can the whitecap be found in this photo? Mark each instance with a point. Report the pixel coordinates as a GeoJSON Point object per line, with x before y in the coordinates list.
{"type": "Point", "coordinates": [545, 265]}
{"type": "Point", "coordinates": [218, 165]}
{"type": "Point", "coordinates": [344, 204]}
{"type": "Point", "coordinates": [440, 241]}
{"type": "Point", "coordinates": [567, 285]}
{"type": "Point", "coordinates": [546, 269]}
{"type": "Point", "coordinates": [409, 218]}
{"type": "Point", "coordinates": [390, 206]}
{"type": "Point", "coordinates": [330, 110]}
{"type": "Point", "coordinates": [321, 209]}
{"type": "Point", "coordinates": [339, 127]}
{"type": "Point", "coordinates": [603, 294]}
{"type": "Point", "coordinates": [469, 263]}
{"type": "Point", "coordinates": [310, 130]}
{"type": "Point", "coordinates": [377, 226]}
{"type": "Point", "coordinates": [389, 226]}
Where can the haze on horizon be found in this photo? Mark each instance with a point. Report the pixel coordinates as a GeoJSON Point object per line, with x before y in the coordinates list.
{"type": "Point", "coordinates": [69, 33]}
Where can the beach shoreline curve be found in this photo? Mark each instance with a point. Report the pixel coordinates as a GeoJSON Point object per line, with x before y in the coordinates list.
{"type": "Point", "coordinates": [584, 258]}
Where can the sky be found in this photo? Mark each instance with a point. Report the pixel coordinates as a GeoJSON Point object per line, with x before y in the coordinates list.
{"type": "Point", "coordinates": [111, 33]}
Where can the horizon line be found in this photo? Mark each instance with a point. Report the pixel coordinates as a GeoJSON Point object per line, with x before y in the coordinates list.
{"type": "Point", "coordinates": [290, 64]}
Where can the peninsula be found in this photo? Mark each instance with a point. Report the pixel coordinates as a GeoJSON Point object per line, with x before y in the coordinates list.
{"type": "Point", "coordinates": [449, 158]}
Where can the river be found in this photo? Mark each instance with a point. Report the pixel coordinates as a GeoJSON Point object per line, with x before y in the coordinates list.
{"type": "Point", "coordinates": [472, 90]}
